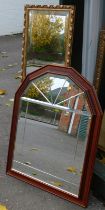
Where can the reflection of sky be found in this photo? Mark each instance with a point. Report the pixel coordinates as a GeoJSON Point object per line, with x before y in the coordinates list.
{"type": "Point", "coordinates": [59, 83]}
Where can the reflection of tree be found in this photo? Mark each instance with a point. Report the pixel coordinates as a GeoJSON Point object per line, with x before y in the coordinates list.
{"type": "Point", "coordinates": [43, 85]}
{"type": "Point", "coordinates": [45, 32]}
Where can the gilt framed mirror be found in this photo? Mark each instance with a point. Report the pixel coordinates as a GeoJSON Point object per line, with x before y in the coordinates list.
{"type": "Point", "coordinates": [99, 84]}
{"type": "Point", "coordinates": [54, 132]}
{"type": "Point", "coordinates": [47, 36]}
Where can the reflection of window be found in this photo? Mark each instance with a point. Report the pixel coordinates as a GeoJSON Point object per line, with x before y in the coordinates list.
{"type": "Point", "coordinates": [55, 100]}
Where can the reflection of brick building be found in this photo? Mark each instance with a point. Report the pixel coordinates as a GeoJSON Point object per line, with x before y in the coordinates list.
{"type": "Point", "coordinates": [70, 122]}
{"type": "Point", "coordinates": [64, 121]}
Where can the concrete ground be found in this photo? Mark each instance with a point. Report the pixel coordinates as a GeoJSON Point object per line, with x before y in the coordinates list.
{"type": "Point", "coordinates": [15, 194]}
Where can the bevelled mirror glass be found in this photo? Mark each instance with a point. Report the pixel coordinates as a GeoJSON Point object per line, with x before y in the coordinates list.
{"type": "Point", "coordinates": [53, 134]}
{"type": "Point", "coordinates": [47, 37]}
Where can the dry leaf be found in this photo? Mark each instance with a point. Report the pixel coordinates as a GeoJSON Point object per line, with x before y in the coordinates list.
{"type": "Point", "coordinates": [34, 149]}
{"type": "Point", "coordinates": [27, 163]}
{"type": "Point", "coordinates": [3, 207]}
{"type": "Point", "coordinates": [11, 99]}
{"type": "Point", "coordinates": [19, 72]}
{"type": "Point", "coordinates": [2, 92]}
{"type": "Point", "coordinates": [8, 104]}
{"type": "Point", "coordinates": [58, 184]}
{"type": "Point", "coordinates": [3, 52]}
{"type": "Point", "coordinates": [34, 174]}
{"type": "Point", "coordinates": [12, 65]}
{"type": "Point", "coordinates": [4, 56]}
{"type": "Point", "coordinates": [2, 69]}
{"type": "Point", "coordinates": [72, 169]}
{"type": "Point", "coordinates": [18, 77]}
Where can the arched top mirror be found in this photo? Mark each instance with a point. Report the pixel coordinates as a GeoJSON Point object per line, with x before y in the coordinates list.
{"type": "Point", "coordinates": [54, 133]}
{"type": "Point", "coordinates": [47, 37]}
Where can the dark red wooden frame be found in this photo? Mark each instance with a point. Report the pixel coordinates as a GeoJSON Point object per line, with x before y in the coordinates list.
{"type": "Point", "coordinates": [89, 160]}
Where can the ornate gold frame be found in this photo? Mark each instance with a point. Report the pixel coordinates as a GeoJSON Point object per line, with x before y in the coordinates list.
{"type": "Point", "coordinates": [68, 8]}
{"type": "Point", "coordinates": [99, 61]}
{"type": "Point", "coordinates": [98, 76]}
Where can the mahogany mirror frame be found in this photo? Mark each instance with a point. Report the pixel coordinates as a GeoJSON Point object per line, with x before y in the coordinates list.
{"type": "Point", "coordinates": [92, 142]}
{"type": "Point", "coordinates": [70, 10]}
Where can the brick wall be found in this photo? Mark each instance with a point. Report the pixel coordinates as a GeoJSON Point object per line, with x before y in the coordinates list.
{"type": "Point", "coordinates": [65, 118]}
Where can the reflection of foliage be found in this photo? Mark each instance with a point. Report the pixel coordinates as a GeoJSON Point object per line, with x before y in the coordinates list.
{"type": "Point", "coordinates": [43, 85]}
{"type": "Point", "coordinates": [46, 38]}
{"type": "Point", "coordinates": [45, 31]}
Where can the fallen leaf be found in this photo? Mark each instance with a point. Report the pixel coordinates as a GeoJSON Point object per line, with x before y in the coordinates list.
{"type": "Point", "coordinates": [3, 52]}
{"type": "Point", "coordinates": [3, 207]}
{"type": "Point", "coordinates": [34, 174]}
{"type": "Point", "coordinates": [2, 92]}
{"type": "Point", "coordinates": [4, 56]}
{"type": "Point", "coordinates": [34, 149]}
{"type": "Point", "coordinates": [58, 184]}
{"type": "Point", "coordinates": [19, 72]}
{"type": "Point", "coordinates": [12, 65]}
{"type": "Point", "coordinates": [11, 99]}
{"type": "Point", "coordinates": [27, 163]}
{"type": "Point", "coordinates": [72, 169]}
{"type": "Point", "coordinates": [8, 104]}
{"type": "Point", "coordinates": [2, 69]}
{"type": "Point", "coordinates": [18, 77]}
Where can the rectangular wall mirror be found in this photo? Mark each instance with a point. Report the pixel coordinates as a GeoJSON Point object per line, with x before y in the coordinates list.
{"type": "Point", "coordinates": [47, 37]}
{"type": "Point", "coordinates": [54, 133]}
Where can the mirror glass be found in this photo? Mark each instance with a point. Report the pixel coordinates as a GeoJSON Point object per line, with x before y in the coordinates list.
{"type": "Point", "coordinates": [48, 36]}
{"type": "Point", "coordinates": [53, 126]}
